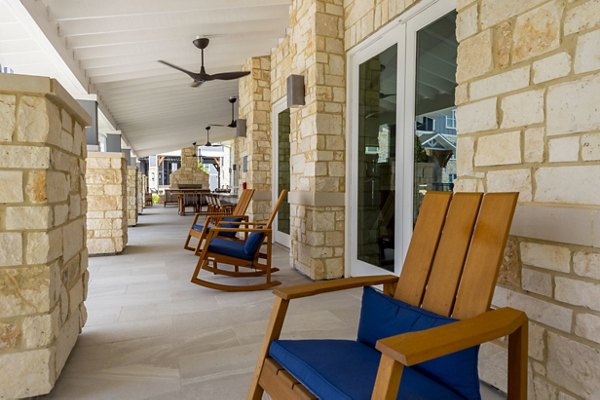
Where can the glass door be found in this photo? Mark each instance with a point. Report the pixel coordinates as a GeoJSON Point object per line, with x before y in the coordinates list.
{"type": "Point", "coordinates": [281, 170]}
{"type": "Point", "coordinates": [402, 133]}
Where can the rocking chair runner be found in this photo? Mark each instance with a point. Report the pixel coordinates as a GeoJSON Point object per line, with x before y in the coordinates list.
{"type": "Point", "coordinates": [404, 350]}
{"type": "Point", "coordinates": [214, 216]}
{"type": "Point", "coordinates": [244, 254]}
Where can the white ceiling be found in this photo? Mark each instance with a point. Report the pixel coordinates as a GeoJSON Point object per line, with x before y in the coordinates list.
{"type": "Point", "coordinates": [111, 47]}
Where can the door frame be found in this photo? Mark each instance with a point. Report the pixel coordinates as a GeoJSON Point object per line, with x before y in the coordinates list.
{"type": "Point", "coordinates": [403, 32]}
{"type": "Point", "coordinates": [279, 106]}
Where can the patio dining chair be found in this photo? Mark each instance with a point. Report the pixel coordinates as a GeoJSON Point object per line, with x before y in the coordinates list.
{"type": "Point", "coordinates": [419, 337]}
{"type": "Point", "coordinates": [214, 216]}
{"type": "Point", "coordinates": [244, 256]}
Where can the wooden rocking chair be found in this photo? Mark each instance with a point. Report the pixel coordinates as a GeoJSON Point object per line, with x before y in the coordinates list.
{"type": "Point", "coordinates": [408, 347]}
{"type": "Point", "coordinates": [239, 253]}
{"type": "Point", "coordinates": [213, 216]}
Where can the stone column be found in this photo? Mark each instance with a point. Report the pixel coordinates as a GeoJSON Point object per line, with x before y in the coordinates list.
{"type": "Point", "coordinates": [190, 172]}
{"type": "Point", "coordinates": [145, 189]}
{"type": "Point", "coordinates": [314, 48]}
{"type": "Point", "coordinates": [132, 213]}
{"type": "Point", "coordinates": [255, 107]}
{"type": "Point", "coordinates": [106, 178]}
{"type": "Point", "coordinates": [140, 193]}
{"type": "Point", "coordinates": [43, 259]}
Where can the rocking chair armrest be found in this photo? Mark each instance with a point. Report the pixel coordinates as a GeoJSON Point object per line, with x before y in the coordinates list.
{"type": "Point", "coordinates": [310, 289]}
{"type": "Point", "coordinates": [217, 230]}
{"type": "Point", "coordinates": [243, 223]}
{"type": "Point", "coordinates": [416, 347]}
{"type": "Point", "coordinates": [218, 219]}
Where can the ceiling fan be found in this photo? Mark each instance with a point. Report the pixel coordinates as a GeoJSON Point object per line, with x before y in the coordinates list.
{"type": "Point", "coordinates": [201, 77]}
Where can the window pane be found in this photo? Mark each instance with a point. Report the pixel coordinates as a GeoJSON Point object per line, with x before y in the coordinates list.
{"type": "Point", "coordinates": [435, 118]}
{"type": "Point", "coordinates": [283, 165]}
{"type": "Point", "coordinates": [377, 159]}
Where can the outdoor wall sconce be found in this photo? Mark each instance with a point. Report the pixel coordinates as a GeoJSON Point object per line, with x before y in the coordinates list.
{"type": "Point", "coordinates": [240, 128]}
{"type": "Point", "coordinates": [295, 90]}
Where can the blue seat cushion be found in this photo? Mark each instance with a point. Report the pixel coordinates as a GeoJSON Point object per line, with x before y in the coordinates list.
{"type": "Point", "coordinates": [253, 243]}
{"type": "Point", "coordinates": [230, 219]}
{"type": "Point", "coordinates": [199, 228]}
{"type": "Point", "coordinates": [230, 248]}
{"type": "Point", "coordinates": [346, 369]}
{"type": "Point", "coordinates": [382, 316]}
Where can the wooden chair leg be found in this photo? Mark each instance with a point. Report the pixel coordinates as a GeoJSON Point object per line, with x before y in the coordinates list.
{"type": "Point", "coordinates": [273, 332]}
{"type": "Point", "coordinates": [388, 379]}
{"type": "Point", "coordinates": [517, 363]}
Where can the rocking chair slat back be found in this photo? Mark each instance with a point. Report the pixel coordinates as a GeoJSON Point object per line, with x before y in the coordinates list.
{"type": "Point", "coordinates": [243, 202]}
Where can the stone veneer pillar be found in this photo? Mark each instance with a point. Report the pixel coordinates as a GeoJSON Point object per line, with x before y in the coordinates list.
{"type": "Point", "coordinates": [43, 259]}
{"type": "Point", "coordinates": [314, 48]}
{"type": "Point", "coordinates": [106, 178]}
{"type": "Point", "coordinates": [140, 192]}
{"type": "Point", "coordinates": [528, 121]}
{"type": "Point", "coordinates": [189, 172]}
{"type": "Point", "coordinates": [132, 182]}
{"type": "Point", "coordinates": [255, 107]}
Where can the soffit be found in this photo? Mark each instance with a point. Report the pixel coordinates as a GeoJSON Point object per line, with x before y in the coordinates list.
{"type": "Point", "coordinates": [115, 45]}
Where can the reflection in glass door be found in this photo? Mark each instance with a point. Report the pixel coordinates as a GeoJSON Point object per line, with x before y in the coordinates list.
{"type": "Point", "coordinates": [402, 140]}
{"type": "Point", "coordinates": [281, 170]}
{"type": "Point", "coordinates": [376, 159]}
{"type": "Point", "coordinates": [435, 113]}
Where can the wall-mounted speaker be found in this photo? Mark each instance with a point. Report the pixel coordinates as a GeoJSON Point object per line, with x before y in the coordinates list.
{"type": "Point", "coordinates": [295, 90]}
{"type": "Point", "coordinates": [240, 128]}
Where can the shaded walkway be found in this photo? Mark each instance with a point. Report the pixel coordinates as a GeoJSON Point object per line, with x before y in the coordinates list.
{"type": "Point", "coordinates": [151, 334]}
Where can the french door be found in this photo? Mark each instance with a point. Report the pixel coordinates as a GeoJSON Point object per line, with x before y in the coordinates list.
{"type": "Point", "coordinates": [281, 170]}
{"type": "Point", "coordinates": [401, 138]}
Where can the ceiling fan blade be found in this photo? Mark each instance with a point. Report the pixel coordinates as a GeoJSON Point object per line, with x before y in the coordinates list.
{"type": "Point", "coordinates": [226, 76]}
{"type": "Point", "coordinates": [193, 75]}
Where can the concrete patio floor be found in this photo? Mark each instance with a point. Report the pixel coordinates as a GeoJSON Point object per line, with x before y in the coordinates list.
{"type": "Point", "coordinates": [151, 334]}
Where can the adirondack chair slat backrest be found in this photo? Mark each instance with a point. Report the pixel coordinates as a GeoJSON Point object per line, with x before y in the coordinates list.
{"type": "Point", "coordinates": [276, 209]}
{"type": "Point", "coordinates": [243, 202]}
{"type": "Point", "coordinates": [453, 259]}
{"type": "Point", "coordinates": [451, 253]}
{"type": "Point", "coordinates": [423, 245]}
{"type": "Point", "coordinates": [485, 255]}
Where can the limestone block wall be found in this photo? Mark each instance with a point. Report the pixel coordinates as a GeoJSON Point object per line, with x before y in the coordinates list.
{"type": "Point", "coordinates": [106, 178]}
{"type": "Point", "coordinates": [255, 107]}
{"type": "Point", "coordinates": [43, 257]}
{"type": "Point", "coordinates": [362, 18]}
{"type": "Point", "coordinates": [132, 195]}
{"type": "Point", "coordinates": [528, 121]}
{"type": "Point", "coordinates": [314, 48]}
{"type": "Point", "coordinates": [189, 173]}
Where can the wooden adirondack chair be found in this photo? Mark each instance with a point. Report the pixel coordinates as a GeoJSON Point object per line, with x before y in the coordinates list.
{"type": "Point", "coordinates": [200, 231]}
{"type": "Point", "coordinates": [239, 253]}
{"type": "Point", "coordinates": [450, 269]}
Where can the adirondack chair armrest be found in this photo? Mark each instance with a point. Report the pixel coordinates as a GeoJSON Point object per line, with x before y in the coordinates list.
{"type": "Point", "coordinates": [311, 289]}
{"type": "Point", "coordinates": [416, 347]}
{"type": "Point", "coordinates": [249, 223]}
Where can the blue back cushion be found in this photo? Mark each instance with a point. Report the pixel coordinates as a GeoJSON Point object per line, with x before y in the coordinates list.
{"type": "Point", "coordinates": [253, 243]}
{"type": "Point", "coordinates": [230, 219]}
{"type": "Point", "coordinates": [382, 316]}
